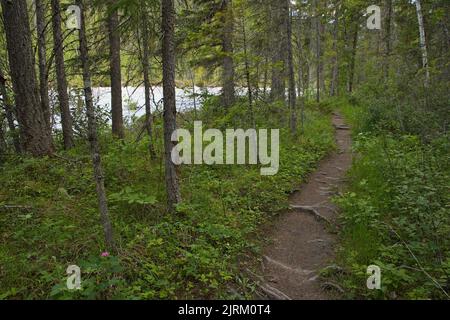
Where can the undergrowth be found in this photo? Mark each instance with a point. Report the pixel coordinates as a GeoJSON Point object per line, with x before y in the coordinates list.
{"type": "Point", "coordinates": [52, 219]}
{"type": "Point", "coordinates": [396, 212]}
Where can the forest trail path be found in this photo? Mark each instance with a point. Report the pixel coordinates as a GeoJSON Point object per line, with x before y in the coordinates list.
{"type": "Point", "coordinates": [303, 242]}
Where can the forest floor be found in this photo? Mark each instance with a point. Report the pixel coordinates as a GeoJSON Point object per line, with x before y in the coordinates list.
{"type": "Point", "coordinates": [304, 238]}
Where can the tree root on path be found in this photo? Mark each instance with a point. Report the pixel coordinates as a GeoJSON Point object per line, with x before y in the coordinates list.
{"type": "Point", "coordinates": [283, 266]}
{"type": "Point", "coordinates": [340, 127]}
{"type": "Point", "coordinates": [335, 179]}
{"type": "Point", "coordinates": [271, 292]}
{"type": "Point", "coordinates": [313, 211]}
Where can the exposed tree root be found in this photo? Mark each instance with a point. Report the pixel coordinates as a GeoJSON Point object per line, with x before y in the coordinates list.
{"type": "Point", "coordinates": [283, 266]}
{"type": "Point", "coordinates": [313, 211]}
{"type": "Point", "coordinates": [338, 127]}
{"type": "Point", "coordinates": [269, 291]}
{"type": "Point", "coordinates": [273, 293]}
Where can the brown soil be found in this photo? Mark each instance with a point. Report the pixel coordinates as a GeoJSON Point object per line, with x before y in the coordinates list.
{"type": "Point", "coordinates": [303, 241]}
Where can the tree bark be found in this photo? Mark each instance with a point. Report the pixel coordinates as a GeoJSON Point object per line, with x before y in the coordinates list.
{"type": "Point", "coordinates": [34, 131]}
{"type": "Point", "coordinates": [387, 40]}
{"type": "Point", "coordinates": [247, 73]}
{"type": "Point", "coordinates": [227, 48]}
{"type": "Point", "coordinates": [302, 79]}
{"type": "Point", "coordinates": [2, 137]}
{"type": "Point", "coordinates": [353, 59]}
{"type": "Point", "coordinates": [168, 58]}
{"type": "Point", "coordinates": [146, 68]}
{"type": "Point", "coordinates": [318, 51]}
{"type": "Point", "coordinates": [92, 134]}
{"type": "Point", "coordinates": [42, 57]}
{"type": "Point", "coordinates": [115, 74]}
{"type": "Point", "coordinates": [3, 145]}
{"type": "Point", "coordinates": [279, 50]}
{"type": "Point", "coordinates": [292, 93]}
{"type": "Point", "coordinates": [63, 97]}
{"type": "Point", "coordinates": [9, 115]}
{"type": "Point", "coordinates": [335, 58]}
{"type": "Point", "coordinates": [423, 42]}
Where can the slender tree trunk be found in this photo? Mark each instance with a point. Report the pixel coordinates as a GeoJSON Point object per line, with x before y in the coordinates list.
{"type": "Point", "coordinates": [63, 97]}
{"type": "Point", "coordinates": [194, 94]}
{"type": "Point", "coordinates": [168, 58]}
{"type": "Point", "coordinates": [335, 58]}
{"type": "Point", "coordinates": [3, 145]}
{"type": "Point", "coordinates": [423, 42]}
{"type": "Point", "coordinates": [300, 58]}
{"type": "Point", "coordinates": [353, 59]}
{"type": "Point", "coordinates": [9, 115]}
{"type": "Point", "coordinates": [387, 39]}
{"type": "Point", "coordinates": [2, 137]}
{"type": "Point", "coordinates": [257, 80]}
{"type": "Point", "coordinates": [42, 57]}
{"type": "Point", "coordinates": [115, 74]}
{"type": "Point", "coordinates": [247, 73]}
{"type": "Point", "coordinates": [266, 75]}
{"type": "Point", "coordinates": [301, 78]}
{"type": "Point", "coordinates": [323, 31]}
{"type": "Point", "coordinates": [279, 50]}
{"type": "Point", "coordinates": [318, 51]}
{"type": "Point", "coordinates": [146, 69]}
{"type": "Point", "coordinates": [34, 131]}
{"type": "Point", "coordinates": [292, 94]}
{"type": "Point", "coordinates": [227, 48]}
{"type": "Point", "coordinates": [92, 134]}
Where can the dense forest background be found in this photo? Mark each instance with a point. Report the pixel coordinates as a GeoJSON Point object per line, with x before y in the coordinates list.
{"type": "Point", "coordinates": [81, 183]}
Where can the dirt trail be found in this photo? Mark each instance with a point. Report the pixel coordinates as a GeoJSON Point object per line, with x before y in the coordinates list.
{"type": "Point", "coordinates": [303, 242]}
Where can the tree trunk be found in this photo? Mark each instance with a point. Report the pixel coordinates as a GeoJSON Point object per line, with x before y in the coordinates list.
{"type": "Point", "coordinates": [34, 131]}
{"type": "Point", "coordinates": [92, 134]}
{"type": "Point", "coordinates": [2, 137]}
{"type": "Point", "coordinates": [279, 50]}
{"type": "Point", "coordinates": [227, 48]}
{"type": "Point", "coordinates": [63, 97]}
{"type": "Point", "coordinates": [292, 94]}
{"type": "Point", "coordinates": [266, 75]}
{"type": "Point", "coordinates": [318, 51]}
{"type": "Point", "coordinates": [247, 73]}
{"type": "Point", "coordinates": [335, 58]}
{"type": "Point", "coordinates": [300, 57]}
{"type": "Point", "coordinates": [387, 40]}
{"type": "Point", "coordinates": [115, 74]}
{"type": "Point", "coordinates": [194, 94]}
{"type": "Point", "coordinates": [302, 81]}
{"type": "Point", "coordinates": [423, 43]}
{"type": "Point", "coordinates": [9, 115]}
{"type": "Point", "coordinates": [146, 68]}
{"type": "Point", "coordinates": [42, 57]}
{"type": "Point", "coordinates": [168, 58]}
{"type": "Point", "coordinates": [353, 59]}
{"type": "Point", "coordinates": [3, 145]}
